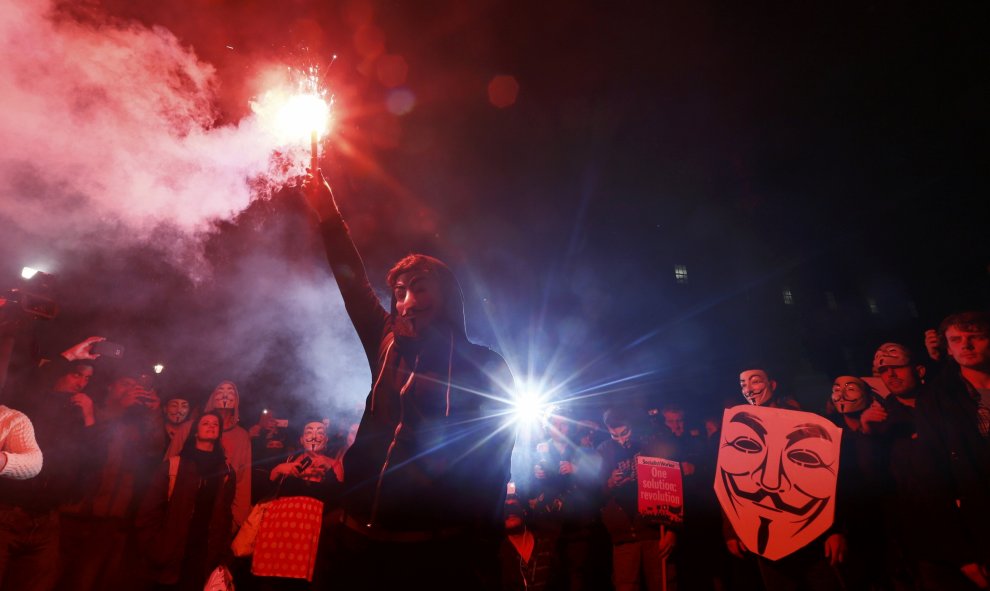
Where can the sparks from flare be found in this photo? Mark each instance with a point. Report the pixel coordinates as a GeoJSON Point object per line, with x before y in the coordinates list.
{"type": "Point", "coordinates": [300, 107]}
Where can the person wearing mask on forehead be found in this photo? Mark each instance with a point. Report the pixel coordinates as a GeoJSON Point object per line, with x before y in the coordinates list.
{"type": "Point", "coordinates": [427, 473]}
{"type": "Point", "coordinates": [903, 474]}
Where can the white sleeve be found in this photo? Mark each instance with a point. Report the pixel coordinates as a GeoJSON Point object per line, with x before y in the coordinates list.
{"type": "Point", "coordinates": [24, 457]}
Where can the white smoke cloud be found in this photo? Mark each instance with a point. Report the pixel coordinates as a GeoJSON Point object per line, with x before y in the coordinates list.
{"type": "Point", "coordinates": [109, 129]}
{"type": "Point", "coordinates": [114, 121]}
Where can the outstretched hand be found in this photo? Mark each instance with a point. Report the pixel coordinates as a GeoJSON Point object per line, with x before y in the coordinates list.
{"type": "Point", "coordinates": [83, 350]}
{"type": "Point", "coordinates": [874, 414]}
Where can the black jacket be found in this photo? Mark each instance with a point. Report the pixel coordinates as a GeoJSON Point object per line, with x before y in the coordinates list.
{"type": "Point", "coordinates": [432, 451]}
{"type": "Point", "coordinates": [166, 524]}
{"type": "Point", "coordinates": [959, 495]}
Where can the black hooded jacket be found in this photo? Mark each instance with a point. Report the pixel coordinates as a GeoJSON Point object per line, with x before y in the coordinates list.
{"type": "Point", "coordinates": [433, 449]}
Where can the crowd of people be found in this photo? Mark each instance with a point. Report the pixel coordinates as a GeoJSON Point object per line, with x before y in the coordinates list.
{"type": "Point", "coordinates": [912, 492]}
{"type": "Point", "coordinates": [127, 490]}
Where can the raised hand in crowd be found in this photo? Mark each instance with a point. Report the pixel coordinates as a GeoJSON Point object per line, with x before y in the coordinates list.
{"type": "Point", "coordinates": [931, 344]}
{"type": "Point", "coordinates": [83, 350]}
{"type": "Point", "coordinates": [139, 395]}
{"type": "Point", "coordinates": [876, 413]}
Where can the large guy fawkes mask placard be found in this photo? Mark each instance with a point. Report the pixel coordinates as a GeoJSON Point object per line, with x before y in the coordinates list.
{"type": "Point", "coordinates": [776, 476]}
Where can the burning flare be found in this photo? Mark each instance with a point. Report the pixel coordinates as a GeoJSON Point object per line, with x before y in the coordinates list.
{"type": "Point", "coordinates": [298, 112]}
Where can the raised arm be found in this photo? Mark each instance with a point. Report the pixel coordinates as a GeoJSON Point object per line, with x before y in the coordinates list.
{"type": "Point", "coordinates": [363, 307]}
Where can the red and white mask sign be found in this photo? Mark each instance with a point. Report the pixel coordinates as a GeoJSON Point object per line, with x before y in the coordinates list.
{"type": "Point", "coordinates": [776, 477]}
{"type": "Point", "coordinates": [661, 492]}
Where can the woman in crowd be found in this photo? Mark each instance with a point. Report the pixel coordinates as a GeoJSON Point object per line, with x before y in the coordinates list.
{"type": "Point", "coordinates": [184, 523]}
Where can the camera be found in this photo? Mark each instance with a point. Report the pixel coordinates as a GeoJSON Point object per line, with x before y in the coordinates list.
{"type": "Point", "coordinates": [32, 304]}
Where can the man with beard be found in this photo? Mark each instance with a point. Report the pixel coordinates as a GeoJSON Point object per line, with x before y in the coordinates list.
{"type": "Point", "coordinates": [425, 480]}
{"type": "Point", "coordinates": [953, 428]}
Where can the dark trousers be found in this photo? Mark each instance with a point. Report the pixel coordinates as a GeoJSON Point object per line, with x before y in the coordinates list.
{"type": "Point", "coordinates": [29, 554]}
{"type": "Point", "coordinates": [99, 553]}
{"type": "Point", "coordinates": [804, 570]}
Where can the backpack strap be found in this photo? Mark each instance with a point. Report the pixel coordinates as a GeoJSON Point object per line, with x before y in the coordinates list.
{"type": "Point", "coordinates": [173, 471]}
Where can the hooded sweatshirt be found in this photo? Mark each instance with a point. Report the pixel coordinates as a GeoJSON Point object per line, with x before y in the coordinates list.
{"type": "Point", "coordinates": [431, 452]}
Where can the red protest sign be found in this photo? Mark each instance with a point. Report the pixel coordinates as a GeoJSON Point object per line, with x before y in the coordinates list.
{"type": "Point", "coordinates": [661, 491]}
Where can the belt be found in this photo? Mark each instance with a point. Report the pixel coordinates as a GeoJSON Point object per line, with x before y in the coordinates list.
{"type": "Point", "coordinates": [384, 535]}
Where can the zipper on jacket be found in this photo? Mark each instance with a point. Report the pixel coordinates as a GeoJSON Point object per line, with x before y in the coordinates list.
{"type": "Point", "coordinates": [391, 446]}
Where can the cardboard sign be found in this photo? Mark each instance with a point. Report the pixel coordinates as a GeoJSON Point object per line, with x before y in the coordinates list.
{"type": "Point", "coordinates": [776, 477]}
{"type": "Point", "coordinates": [661, 491]}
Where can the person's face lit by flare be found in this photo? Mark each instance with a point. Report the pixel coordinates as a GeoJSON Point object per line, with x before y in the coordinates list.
{"type": "Point", "coordinates": [849, 394]}
{"type": "Point", "coordinates": [314, 437]}
{"type": "Point", "coordinates": [892, 364]}
{"type": "Point", "coordinates": [418, 301]}
{"type": "Point", "coordinates": [776, 477]}
{"type": "Point", "coordinates": [757, 387]}
{"type": "Point", "coordinates": [177, 410]}
{"type": "Point", "coordinates": [75, 381]}
{"type": "Point", "coordinates": [208, 428]}
{"type": "Point", "coordinates": [970, 349]}
{"type": "Point", "coordinates": [225, 396]}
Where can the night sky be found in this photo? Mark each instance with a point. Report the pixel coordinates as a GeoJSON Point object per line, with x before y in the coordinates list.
{"type": "Point", "coordinates": [837, 151]}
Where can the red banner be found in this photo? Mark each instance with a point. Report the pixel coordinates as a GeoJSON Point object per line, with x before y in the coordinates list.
{"type": "Point", "coordinates": [661, 491]}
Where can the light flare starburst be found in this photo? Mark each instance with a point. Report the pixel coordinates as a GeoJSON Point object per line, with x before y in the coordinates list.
{"type": "Point", "coordinates": [297, 108]}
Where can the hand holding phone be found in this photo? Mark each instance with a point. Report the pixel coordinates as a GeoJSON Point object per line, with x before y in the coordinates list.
{"type": "Point", "coordinates": [303, 464]}
{"type": "Point", "coordinates": [107, 349]}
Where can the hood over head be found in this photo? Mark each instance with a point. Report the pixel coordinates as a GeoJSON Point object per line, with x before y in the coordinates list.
{"type": "Point", "coordinates": [453, 297]}
{"type": "Point", "coordinates": [211, 404]}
